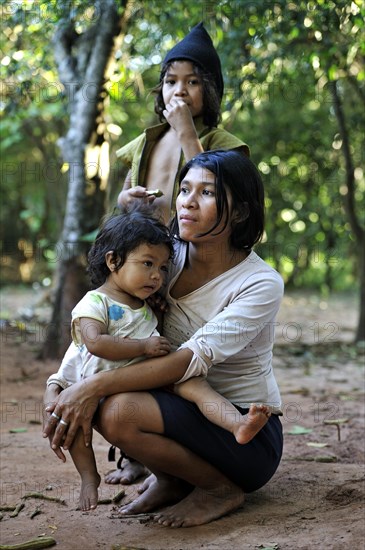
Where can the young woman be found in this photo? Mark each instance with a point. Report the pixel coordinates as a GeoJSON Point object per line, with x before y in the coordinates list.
{"type": "Point", "coordinates": [113, 326]}
{"type": "Point", "coordinates": [223, 300]}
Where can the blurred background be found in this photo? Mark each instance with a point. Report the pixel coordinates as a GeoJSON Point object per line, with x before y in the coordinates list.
{"type": "Point", "coordinates": [76, 85]}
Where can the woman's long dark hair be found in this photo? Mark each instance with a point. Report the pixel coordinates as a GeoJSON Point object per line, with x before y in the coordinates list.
{"type": "Point", "coordinates": [211, 101]}
{"type": "Point", "coordinates": [237, 175]}
{"type": "Point", "coordinates": [121, 234]}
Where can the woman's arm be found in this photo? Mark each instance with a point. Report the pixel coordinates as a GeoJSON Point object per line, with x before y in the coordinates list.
{"type": "Point", "coordinates": [49, 399]}
{"type": "Point", "coordinates": [76, 405]}
{"type": "Point", "coordinates": [250, 316]}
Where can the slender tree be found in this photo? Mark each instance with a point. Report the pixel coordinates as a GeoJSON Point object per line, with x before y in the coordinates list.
{"type": "Point", "coordinates": [82, 53]}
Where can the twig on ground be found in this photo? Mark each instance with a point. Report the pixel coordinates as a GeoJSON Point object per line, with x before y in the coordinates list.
{"type": "Point", "coordinates": [18, 508]}
{"type": "Point", "coordinates": [118, 497]}
{"type": "Point", "coordinates": [33, 544]}
{"type": "Point", "coordinates": [36, 512]}
{"type": "Point", "coordinates": [45, 497]}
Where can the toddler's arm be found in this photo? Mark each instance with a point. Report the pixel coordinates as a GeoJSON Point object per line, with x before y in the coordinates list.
{"type": "Point", "coordinates": [98, 342]}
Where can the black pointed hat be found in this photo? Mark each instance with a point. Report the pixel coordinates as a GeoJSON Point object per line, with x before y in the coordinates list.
{"type": "Point", "coordinates": [197, 46]}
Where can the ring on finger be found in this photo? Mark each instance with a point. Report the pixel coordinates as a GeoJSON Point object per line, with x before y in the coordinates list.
{"type": "Point", "coordinates": [55, 416]}
{"type": "Point", "coordinates": [63, 422]}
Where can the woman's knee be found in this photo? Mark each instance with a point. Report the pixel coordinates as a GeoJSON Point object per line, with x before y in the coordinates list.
{"type": "Point", "coordinates": [115, 417]}
{"type": "Point", "coordinates": [122, 416]}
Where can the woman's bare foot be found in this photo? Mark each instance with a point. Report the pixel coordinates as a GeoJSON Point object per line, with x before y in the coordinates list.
{"type": "Point", "coordinates": [201, 507]}
{"type": "Point", "coordinates": [255, 419]}
{"type": "Point", "coordinates": [129, 473]}
{"type": "Point", "coordinates": [154, 493]}
{"type": "Point", "coordinates": [89, 492]}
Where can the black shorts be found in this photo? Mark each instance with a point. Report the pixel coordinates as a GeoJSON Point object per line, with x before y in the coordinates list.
{"type": "Point", "coordinates": [249, 466]}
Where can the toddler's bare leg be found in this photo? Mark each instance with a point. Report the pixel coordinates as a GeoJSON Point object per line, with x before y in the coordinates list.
{"type": "Point", "coordinates": [252, 423]}
{"type": "Point", "coordinates": [222, 412]}
{"type": "Point", "coordinates": [84, 460]}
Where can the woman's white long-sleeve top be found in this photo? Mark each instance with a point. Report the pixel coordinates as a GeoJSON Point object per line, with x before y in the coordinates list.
{"type": "Point", "coordinates": [229, 325]}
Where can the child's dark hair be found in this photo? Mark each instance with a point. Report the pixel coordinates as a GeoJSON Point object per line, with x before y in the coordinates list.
{"type": "Point", "coordinates": [122, 233]}
{"type": "Point", "coordinates": [211, 100]}
{"type": "Point", "coordinates": [235, 174]}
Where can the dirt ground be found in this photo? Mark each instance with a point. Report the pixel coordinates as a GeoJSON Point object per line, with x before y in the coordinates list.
{"type": "Point", "coordinates": [315, 500]}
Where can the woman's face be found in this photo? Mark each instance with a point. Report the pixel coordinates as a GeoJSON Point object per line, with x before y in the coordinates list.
{"type": "Point", "coordinates": [196, 207]}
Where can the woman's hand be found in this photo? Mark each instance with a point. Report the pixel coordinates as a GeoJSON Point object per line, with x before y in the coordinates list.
{"type": "Point", "coordinates": [49, 400]}
{"type": "Point", "coordinates": [71, 410]}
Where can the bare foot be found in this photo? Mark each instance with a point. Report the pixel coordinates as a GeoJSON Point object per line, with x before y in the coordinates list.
{"type": "Point", "coordinates": [129, 473]}
{"type": "Point", "coordinates": [89, 492]}
{"type": "Point", "coordinates": [255, 419]}
{"type": "Point", "coordinates": [154, 493]}
{"type": "Point", "coordinates": [201, 507]}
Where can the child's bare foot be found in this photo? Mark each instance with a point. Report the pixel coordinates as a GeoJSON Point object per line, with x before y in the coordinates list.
{"type": "Point", "coordinates": [154, 493]}
{"type": "Point", "coordinates": [89, 492]}
{"type": "Point", "coordinates": [255, 419]}
{"type": "Point", "coordinates": [129, 473]}
{"type": "Point", "coordinates": [201, 507]}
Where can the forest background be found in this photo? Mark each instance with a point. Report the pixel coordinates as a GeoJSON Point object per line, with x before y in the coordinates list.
{"type": "Point", "coordinates": [76, 85]}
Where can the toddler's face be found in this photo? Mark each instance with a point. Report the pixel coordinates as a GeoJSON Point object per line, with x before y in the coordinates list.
{"type": "Point", "coordinates": [143, 272]}
{"type": "Point", "coordinates": [180, 83]}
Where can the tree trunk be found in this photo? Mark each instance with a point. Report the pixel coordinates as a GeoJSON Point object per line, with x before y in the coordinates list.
{"type": "Point", "coordinates": [349, 203]}
{"type": "Point", "coordinates": [82, 61]}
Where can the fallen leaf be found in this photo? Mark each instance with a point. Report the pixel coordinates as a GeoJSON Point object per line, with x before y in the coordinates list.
{"type": "Point", "coordinates": [319, 445]}
{"type": "Point", "coordinates": [299, 430]}
{"type": "Point", "coordinates": [330, 458]}
{"type": "Point", "coordinates": [17, 430]}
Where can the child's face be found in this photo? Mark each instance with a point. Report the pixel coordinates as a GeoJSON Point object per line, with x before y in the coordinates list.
{"type": "Point", "coordinates": [143, 272]}
{"type": "Point", "coordinates": [180, 83]}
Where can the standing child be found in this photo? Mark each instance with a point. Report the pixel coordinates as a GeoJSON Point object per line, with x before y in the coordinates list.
{"type": "Point", "coordinates": [113, 326]}
{"type": "Point", "coordinates": [188, 99]}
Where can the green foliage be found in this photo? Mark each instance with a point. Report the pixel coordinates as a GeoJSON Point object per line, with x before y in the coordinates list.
{"type": "Point", "coordinates": [277, 57]}
{"type": "Point", "coordinates": [281, 105]}
{"type": "Point", "coordinates": [33, 112]}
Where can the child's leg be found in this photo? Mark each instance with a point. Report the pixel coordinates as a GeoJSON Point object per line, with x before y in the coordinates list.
{"type": "Point", "coordinates": [221, 412]}
{"type": "Point", "coordinates": [84, 460]}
